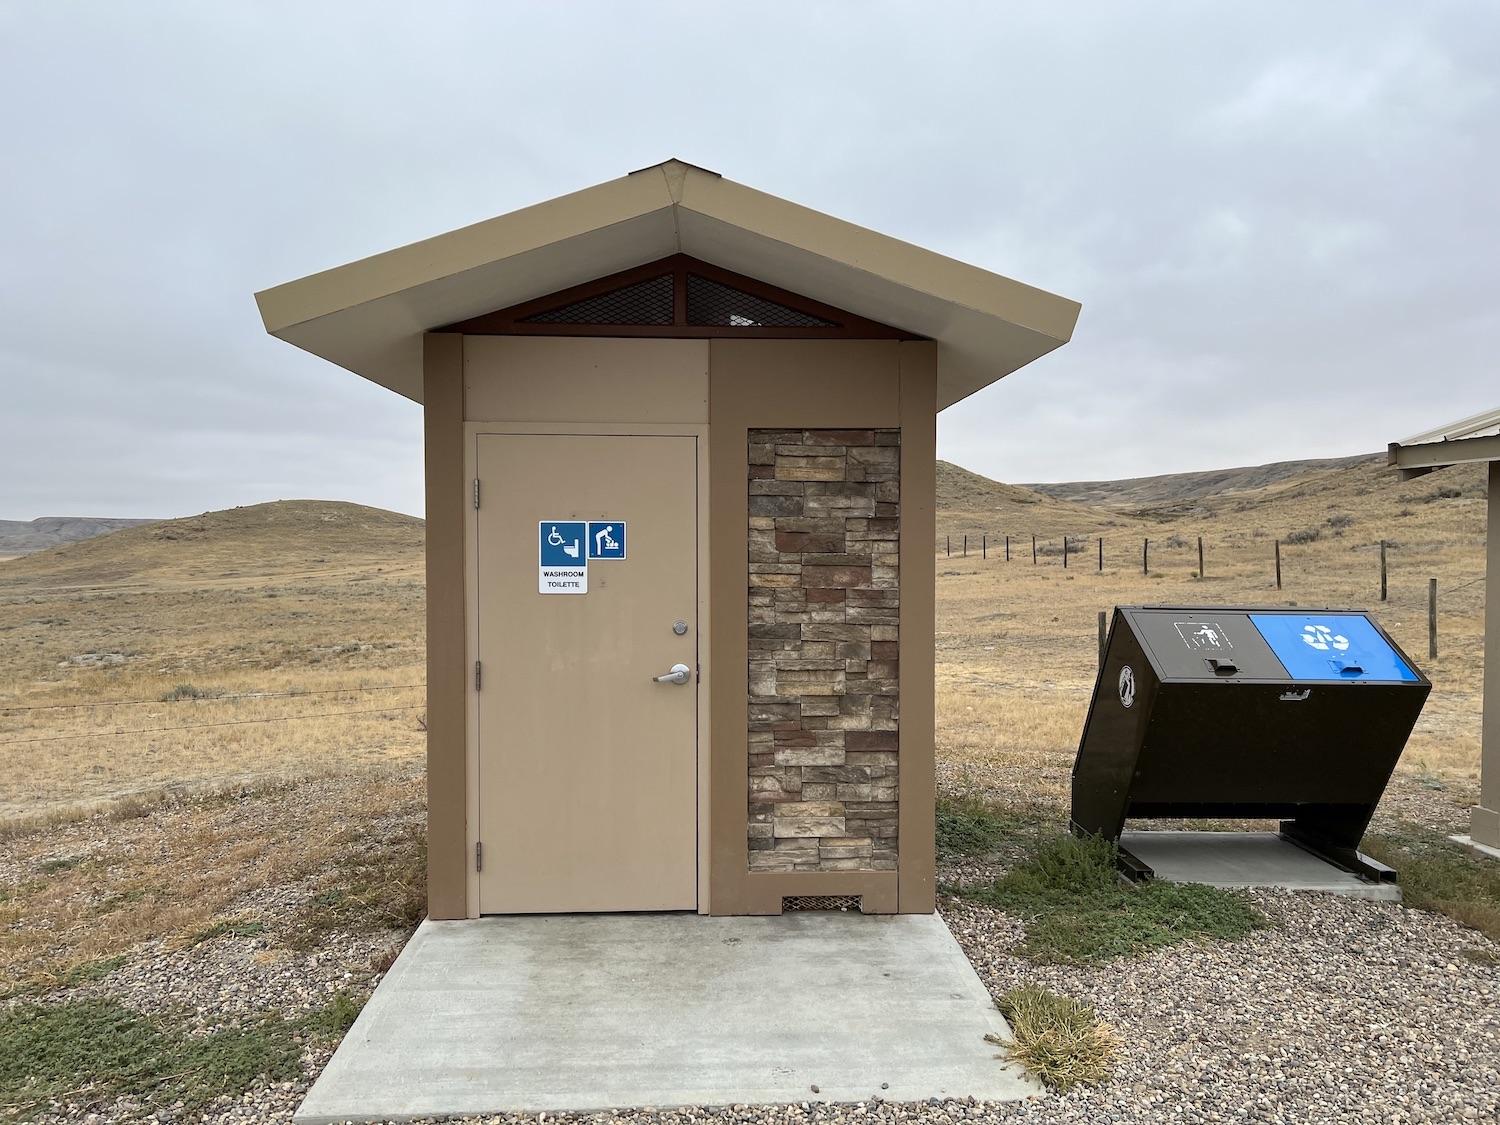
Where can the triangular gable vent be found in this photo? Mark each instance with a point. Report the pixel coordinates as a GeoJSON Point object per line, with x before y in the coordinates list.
{"type": "Point", "coordinates": [643, 302]}
{"type": "Point", "coordinates": [709, 302]}
{"type": "Point", "coordinates": [677, 296]}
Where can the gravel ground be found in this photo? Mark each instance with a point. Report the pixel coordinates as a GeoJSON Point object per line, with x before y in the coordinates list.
{"type": "Point", "coordinates": [1343, 1011]}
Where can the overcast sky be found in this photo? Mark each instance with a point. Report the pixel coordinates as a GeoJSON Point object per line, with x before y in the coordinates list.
{"type": "Point", "coordinates": [1280, 218]}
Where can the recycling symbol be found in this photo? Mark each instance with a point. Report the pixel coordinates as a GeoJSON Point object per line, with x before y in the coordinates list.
{"type": "Point", "coordinates": [1322, 638]}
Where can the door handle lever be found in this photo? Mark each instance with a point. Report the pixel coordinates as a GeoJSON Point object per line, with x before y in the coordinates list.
{"type": "Point", "coordinates": [680, 674]}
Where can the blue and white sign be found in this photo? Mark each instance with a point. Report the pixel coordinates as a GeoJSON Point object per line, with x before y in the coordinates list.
{"type": "Point", "coordinates": [562, 557]}
{"type": "Point", "coordinates": [1331, 646]}
{"type": "Point", "coordinates": [606, 539]}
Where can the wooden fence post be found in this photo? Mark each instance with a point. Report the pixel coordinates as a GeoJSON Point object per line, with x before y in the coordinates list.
{"type": "Point", "coordinates": [1382, 570]}
{"type": "Point", "coordinates": [1007, 548]}
{"type": "Point", "coordinates": [1033, 550]}
{"type": "Point", "coordinates": [1200, 556]}
{"type": "Point", "coordinates": [1145, 556]}
{"type": "Point", "coordinates": [1101, 556]}
{"type": "Point", "coordinates": [1278, 564]}
{"type": "Point", "coordinates": [950, 545]}
{"type": "Point", "coordinates": [1065, 552]}
{"type": "Point", "coordinates": [966, 547]}
{"type": "Point", "coordinates": [1103, 635]}
{"type": "Point", "coordinates": [1432, 619]}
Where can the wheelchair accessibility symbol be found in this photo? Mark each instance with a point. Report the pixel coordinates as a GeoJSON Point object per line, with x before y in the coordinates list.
{"type": "Point", "coordinates": [562, 557]}
{"type": "Point", "coordinates": [562, 543]}
{"type": "Point", "coordinates": [555, 539]}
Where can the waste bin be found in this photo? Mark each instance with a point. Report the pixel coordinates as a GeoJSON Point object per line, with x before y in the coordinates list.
{"type": "Point", "coordinates": [1217, 712]}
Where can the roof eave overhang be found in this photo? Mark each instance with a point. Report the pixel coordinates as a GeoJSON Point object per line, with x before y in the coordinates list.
{"type": "Point", "coordinates": [1422, 458]}
{"type": "Point", "coordinates": [369, 316]}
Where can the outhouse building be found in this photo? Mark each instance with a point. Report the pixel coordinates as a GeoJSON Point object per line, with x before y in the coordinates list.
{"type": "Point", "coordinates": [680, 498]}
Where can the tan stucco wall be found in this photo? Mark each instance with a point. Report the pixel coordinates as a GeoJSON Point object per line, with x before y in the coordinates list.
{"type": "Point", "coordinates": [749, 384]}
{"type": "Point", "coordinates": [587, 379]}
{"type": "Point", "coordinates": [447, 648]}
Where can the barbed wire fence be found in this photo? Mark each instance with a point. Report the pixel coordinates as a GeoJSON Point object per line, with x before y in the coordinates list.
{"type": "Point", "coordinates": [1041, 547]}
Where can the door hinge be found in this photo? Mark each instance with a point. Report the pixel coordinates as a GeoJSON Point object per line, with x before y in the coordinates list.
{"type": "Point", "coordinates": [478, 675]}
{"type": "Point", "coordinates": [476, 494]}
{"type": "Point", "coordinates": [478, 856]}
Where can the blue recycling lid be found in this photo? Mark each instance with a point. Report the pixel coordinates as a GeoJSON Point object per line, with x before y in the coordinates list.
{"type": "Point", "coordinates": [1332, 646]}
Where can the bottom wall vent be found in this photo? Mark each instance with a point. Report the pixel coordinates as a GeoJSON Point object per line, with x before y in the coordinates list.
{"type": "Point", "coordinates": [819, 902]}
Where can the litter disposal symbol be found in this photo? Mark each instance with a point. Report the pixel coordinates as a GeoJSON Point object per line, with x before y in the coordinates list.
{"type": "Point", "coordinates": [1322, 638]}
{"type": "Point", "coordinates": [1127, 686]}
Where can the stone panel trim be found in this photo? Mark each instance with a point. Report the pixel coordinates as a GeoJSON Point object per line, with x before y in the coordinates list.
{"type": "Point", "coordinates": [823, 638]}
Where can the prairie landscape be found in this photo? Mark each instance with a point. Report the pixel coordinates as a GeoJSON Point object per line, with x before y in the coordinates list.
{"type": "Point", "coordinates": [285, 639]}
{"type": "Point", "coordinates": [256, 643]}
{"type": "Point", "coordinates": [211, 739]}
{"type": "Point", "coordinates": [1017, 642]}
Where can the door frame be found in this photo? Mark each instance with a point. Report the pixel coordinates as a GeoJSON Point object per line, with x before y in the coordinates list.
{"type": "Point", "coordinates": [473, 431]}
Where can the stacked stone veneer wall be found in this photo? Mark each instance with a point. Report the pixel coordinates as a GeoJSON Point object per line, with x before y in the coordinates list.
{"type": "Point", "coordinates": [824, 604]}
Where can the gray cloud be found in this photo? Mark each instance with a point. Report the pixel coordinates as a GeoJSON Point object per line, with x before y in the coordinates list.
{"type": "Point", "coordinates": [1279, 217]}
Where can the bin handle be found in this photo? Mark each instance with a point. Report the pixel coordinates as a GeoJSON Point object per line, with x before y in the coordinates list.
{"type": "Point", "coordinates": [1221, 667]}
{"type": "Point", "coordinates": [1296, 696]}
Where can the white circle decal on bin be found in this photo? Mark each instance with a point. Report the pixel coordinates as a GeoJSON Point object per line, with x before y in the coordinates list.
{"type": "Point", "coordinates": [1127, 685]}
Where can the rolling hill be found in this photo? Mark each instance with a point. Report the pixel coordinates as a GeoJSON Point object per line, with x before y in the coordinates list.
{"type": "Point", "coordinates": [22, 537]}
{"type": "Point", "coordinates": [1135, 493]}
{"type": "Point", "coordinates": [260, 540]}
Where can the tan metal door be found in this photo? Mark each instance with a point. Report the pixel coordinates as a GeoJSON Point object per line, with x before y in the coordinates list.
{"type": "Point", "coordinates": [587, 767]}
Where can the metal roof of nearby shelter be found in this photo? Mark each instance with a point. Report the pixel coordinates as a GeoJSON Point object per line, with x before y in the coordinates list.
{"type": "Point", "coordinates": [1476, 438]}
{"type": "Point", "coordinates": [369, 316]}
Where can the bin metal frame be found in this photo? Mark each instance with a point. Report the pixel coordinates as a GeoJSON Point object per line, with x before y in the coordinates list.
{"type": "Point", "coordinates": [1239, 738]}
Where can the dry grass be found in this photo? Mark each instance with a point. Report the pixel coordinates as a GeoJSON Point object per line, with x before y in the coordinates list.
{"type": "Point", "coordinates": [1059, 1040]}
{"type": "Point", "coordinates": [110, 884]}
{"type": "Point", "coordinates": [1017, 643]}
{"type": "Point", "coordinates": [309, 604]}
{"type": "Point", "coordinates": [308, 597]}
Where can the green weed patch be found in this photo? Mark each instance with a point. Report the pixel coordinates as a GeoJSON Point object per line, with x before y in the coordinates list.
{"type": "Point", "coordinates": [969, 825]}
{"type": "Point", "coordinates": [1077, 909]}
{"type": "Point", "coordinates": [333, 1019]}
{"type": "Point", "coordinates": [1440, 876]}
{"type": "Point", "coordinates": [94, 1051]}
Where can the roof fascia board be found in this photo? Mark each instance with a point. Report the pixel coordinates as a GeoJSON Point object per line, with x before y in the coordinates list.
{"type": "Point", "coordinates": [456, 252]}
{"type": "Point", "coordinates": [890, 259]}
{"type": "Point", "coordinates": [1441, 454]}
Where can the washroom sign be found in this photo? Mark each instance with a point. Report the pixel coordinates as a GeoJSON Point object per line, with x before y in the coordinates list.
{"type": "Point", "coordinates": [566, 547]}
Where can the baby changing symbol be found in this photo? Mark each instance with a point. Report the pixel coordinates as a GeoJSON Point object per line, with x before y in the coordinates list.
{"type": "Point", "coordinates": [606, 539]}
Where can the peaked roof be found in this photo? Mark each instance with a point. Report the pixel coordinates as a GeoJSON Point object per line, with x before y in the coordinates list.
{"type": "Point", "coordinates": [369, 316]}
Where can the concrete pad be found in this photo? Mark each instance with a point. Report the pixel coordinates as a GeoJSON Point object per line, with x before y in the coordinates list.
{"type": "Point", "coordinates": [586, 1012]}
{"type": "Point", "coordinates": [1474, 845]}
{"type": "Point", "coordinates": [1247, 859]}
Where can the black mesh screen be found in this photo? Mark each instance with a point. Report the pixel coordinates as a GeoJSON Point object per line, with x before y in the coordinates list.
{"type": "Point", "coordinates": [819, 902]}
{"type": "Point", "coordinates": [644, 302]}
{"type": "Point", "coordinates": [710, 303]}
